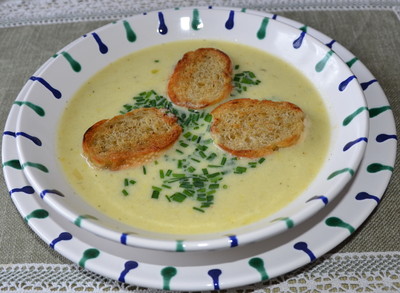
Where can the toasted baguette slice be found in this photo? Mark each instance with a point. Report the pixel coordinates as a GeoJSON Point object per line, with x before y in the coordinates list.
{"type": "Point", "coordinates": [131, 139]}
{"type": "Point", "coordinates": [255, 128]}
{"type": "Point", "coordinates": [201, 78]}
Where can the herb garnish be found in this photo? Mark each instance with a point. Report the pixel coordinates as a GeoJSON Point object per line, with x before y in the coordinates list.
{"type": "Point", "coordinates": [201, 167]}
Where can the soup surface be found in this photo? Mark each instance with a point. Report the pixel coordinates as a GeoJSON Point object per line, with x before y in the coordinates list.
{"type": "Point", "coordinates": [194, 187]}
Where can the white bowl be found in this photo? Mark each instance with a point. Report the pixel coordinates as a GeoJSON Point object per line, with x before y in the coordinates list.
{"type": "Point", "coordinates": [60, 80]}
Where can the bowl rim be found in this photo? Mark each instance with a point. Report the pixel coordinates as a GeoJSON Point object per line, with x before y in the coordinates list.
{"type": "Point", "coordinates": [225, 241]}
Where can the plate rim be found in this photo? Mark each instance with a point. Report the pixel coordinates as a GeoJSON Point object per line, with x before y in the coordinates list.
{"type": "Point", "coordinates": [304, 258]}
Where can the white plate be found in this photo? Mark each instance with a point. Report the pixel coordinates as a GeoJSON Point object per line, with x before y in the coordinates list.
{"type": "Point", "coordinates": [234, 267]}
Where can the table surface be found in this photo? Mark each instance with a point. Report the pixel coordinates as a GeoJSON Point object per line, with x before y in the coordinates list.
{"type": "Point", "coordinates": [31, 33]}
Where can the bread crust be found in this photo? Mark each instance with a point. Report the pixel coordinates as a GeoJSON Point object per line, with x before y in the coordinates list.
{"type": "Point", "coordinates": [255, 128]}
{"type": "Point", "coordinates": [201, 78]}
{"type": "Point", "coordinates": [131, 139]}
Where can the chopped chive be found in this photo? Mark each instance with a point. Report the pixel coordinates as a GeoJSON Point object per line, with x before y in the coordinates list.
{"type": "Point", "coordinates": [168, 198]}
{"type": "Point", "coordinates": [213, 175]}
{"type": "Point", "coordinates": [194, 137]}
{"type": "Point", "coordinates": [126, 182]}
{"type": "Point", "coordinates": [144, 170]}
{"type": "Point", "coordinates": [155, 194]}
{"type": "Point", "coordinates": [208, 117]}
{"type": "Point", "coordinates": [196, 160]}
{"type": "Point", "coordinates": [186, 185]}
{"type": "Point", "coordinates": [169, 172]}
{"type": "Point", "coordinates": [202, 147]}
{"type": "Point", "coordinates": [260, 161]}
{"type": "Point", "coordinates": [223, 161]}
{"type": "Point", "coordinates": [205, 171]}
{"type": "Point", "coordinates": [206, 205]}
{"type": "Point", "coordinates": [237, 67]}
{"type": "Point", "coordinates": [213, 186]}
{"type": "Point", "coordinates": [214, 166]}
{"type": "Point", "coordinates": [212, 156]}
{"type": "Point", "coordinates": [198, 209]}
{"type": "Point", "coordinates": [156, 188]}
{"type": "Point", "coordinates": [178, 197]}
{"type": "Point", "coordinates": [178, 175]}
{"type": "Point", "coordinates": [187, 135]}
{"type": "Point", "coordinates": [189, 192]}
{"type": "Point", "coordinates": [124, 192]}
{"type": "Point", "coordinates": [202, 154]}
{"type": "Point", "coordinates": [240, 170]}
{"type": "Point", "coordinates": [182, 144]}
{"type": "Point", "coordinates": [132, 182]}
{"type": "Point", "coordinates": [179, 151]}
{"type": "Point", "coordinates": [166, 186]}
{"type": "Point", "coordinates": [253, 164]}
{"type": "Point", "coordinates": [162, 174]}
{"type": "Point", "coordinates": [191, 169]}
{"type": "Point", "coordinates": [211, 192]}
{"type": "Point", "coordinates": [198, 183]}
{"type": "Point", "coordinates": [179, 164]}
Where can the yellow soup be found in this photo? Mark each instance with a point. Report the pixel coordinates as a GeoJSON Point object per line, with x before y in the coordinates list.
{"type": "Point", "coordinates": [195, 187]}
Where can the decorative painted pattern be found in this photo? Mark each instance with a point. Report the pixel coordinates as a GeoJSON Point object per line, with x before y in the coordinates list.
{"type": "Point", "coordinates": [16, 164]}
{"type": "Point", "coordinates": [37, 214]}
{"type": "Point", "coordinates": [289, 222]}
{"type": "Point", "coordinates": [341, 171]}
{"type": "Point", "coordinates": [103, 49]}
{"type": "Point", "coordinates": [384, 137]}
{"type": "Point", "coordinates": [162, 27]}
{"type": "Point", "coordinates": [365, 85]}
{"type": "Point", "coordinates": [128, 266]}
{"type": "Point", "coordinates": [365, 195]}
{"type": "Point", "coordinates": [337, 222]}
{"type": "Point", "coordinates": [233, 240]}
{"type": "Point", "coordinates": [51, 191]}
{"type": "Point", "coordinates": [130, 34]}
{"type": "Point", "coordinates": [230, 23]}
{"type": "Point", "coordinates": [75, 65]}
{"type": "Point", "coordinates": [323, 198]}
{"type": "Point", "coordinates": [180, 247]}
{"type": "Point", "coordinates": [88, 254]}
{"type": "Point", "coordinates": [373, 112]}
{"type": "Point", "coordinates": [262, 31]}
{"type": "Point", "coordinates": [168, 273]}
{"type": "Point", "coordinates": [343, 85]}
{"type": "Point", "coordinates": [215, 274]}
{"type": "Point", "coordinates": [78, 220]}
{"type": "Point", "coordinates": [299, 41]}
{"type": "Point", "coordinates": [303, 246]}
{"type": "Point", "coordinates": [64, 236]}
{"type": "Point", "coordinates": [25, 189]}
{"type": "Point", "coordinates": [34, 139]}
{"type": "Point", "coordinates": [258, 264]}
{"type": "Point", "coordinates": [38, 110]}
{"type": "Point", "coordinates": [196, 20]}
{"type": "Point", "coordinates": [321, 64]}
{"type": "Point", "coordinates": [353, 115]}
{"type": "Point", "coordinates": [378, 167]}
{"type": "Point", "coordinates": [56, 93]}
{"type": "Point", "coordinates": [354, 142]}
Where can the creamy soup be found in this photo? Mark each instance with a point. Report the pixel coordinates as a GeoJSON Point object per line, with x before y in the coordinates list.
{"type": "Point", "coordinates": [194, 187]}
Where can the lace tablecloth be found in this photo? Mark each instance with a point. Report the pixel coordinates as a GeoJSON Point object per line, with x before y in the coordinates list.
{"type": "Point", "coordinates": [31, 31]}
